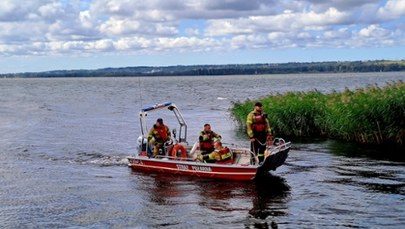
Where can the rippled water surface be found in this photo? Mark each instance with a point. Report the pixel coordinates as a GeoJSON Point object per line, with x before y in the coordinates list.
{"type": "Point", "coordinates": [64, 143]}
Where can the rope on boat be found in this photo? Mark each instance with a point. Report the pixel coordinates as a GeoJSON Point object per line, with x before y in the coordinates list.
{"type": "Point", "coordinates": [260, 142]}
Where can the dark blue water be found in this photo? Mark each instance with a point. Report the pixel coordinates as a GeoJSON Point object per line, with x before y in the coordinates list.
{"type": "Point", "coordinates": [64, 142]}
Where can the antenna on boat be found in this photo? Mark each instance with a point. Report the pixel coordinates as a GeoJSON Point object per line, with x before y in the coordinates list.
{"type": "Point", "coordinates": [140, 90]}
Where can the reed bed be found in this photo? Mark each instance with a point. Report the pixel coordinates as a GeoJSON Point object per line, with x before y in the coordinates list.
{"type": "Point", "coordinates": [371, 115]}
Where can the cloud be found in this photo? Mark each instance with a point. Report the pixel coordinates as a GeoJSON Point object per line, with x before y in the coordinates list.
{"type": "Point", "coordinates": [52, 27]}
{"type": "Point", "coordinates": [14, 11]}
{"type": "Point", "coordinates": [394, 9]}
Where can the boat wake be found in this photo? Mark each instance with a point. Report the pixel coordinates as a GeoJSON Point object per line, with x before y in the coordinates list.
{"type": "Point", "coordinates": [101, 159]}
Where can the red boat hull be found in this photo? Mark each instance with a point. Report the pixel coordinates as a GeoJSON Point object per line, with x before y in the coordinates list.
{"type": "Point", "coordinates": [191, 168]}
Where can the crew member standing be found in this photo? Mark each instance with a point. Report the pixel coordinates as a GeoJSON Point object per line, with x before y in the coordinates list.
{"type": "Point", "coordinates": [259, 131]}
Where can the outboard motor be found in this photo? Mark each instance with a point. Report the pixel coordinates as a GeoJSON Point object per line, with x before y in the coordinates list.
{"type": "Point", "coordinates": [142, 146]}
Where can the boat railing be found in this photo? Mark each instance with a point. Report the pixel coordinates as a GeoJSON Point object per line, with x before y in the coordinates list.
{"type": "Point", "coordinates": [244, 156]}
{"type": "Point", "coordinates": [182, 132]}
{"type": "Point", "coordinates": [278, 145]}
{"type": "Point", "coordinates": [173, 158]}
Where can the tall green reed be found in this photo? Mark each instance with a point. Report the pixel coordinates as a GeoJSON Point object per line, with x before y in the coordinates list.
{"type": "Point", "coordinates": [373, 114]}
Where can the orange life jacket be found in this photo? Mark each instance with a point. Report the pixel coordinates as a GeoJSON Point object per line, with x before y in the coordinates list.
{"type": "Point", "coordinates": [161, 132]}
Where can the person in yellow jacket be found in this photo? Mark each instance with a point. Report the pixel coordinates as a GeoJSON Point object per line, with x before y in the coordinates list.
{"type": "Point", "coordinates": [259, 131]}
{"type": "Point", "coordinates": [158, 135]}
{"type": "Point", "coordinates": [220, 154]}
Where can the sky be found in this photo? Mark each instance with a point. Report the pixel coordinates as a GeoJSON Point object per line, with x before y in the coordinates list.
{"type": "Point", "coordinates": [42, 35]}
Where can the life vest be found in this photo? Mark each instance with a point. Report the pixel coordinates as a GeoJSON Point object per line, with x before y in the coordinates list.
{"type": "Point", "coordinates": [179, 148]}
{"type": "Point", "coordinates": [207, 143]}
{"type": "Point", "coordinates": [160, 133]}
{"type": "Point", "coordinates": [259, 122]}
{"type": "Point", "coordinates": [225, 155]}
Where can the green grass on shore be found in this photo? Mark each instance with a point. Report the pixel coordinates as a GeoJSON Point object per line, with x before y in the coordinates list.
{"type": "Point", "coordinates": [371, 115]}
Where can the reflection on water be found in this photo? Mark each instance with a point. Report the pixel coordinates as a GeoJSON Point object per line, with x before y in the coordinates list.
{"type": "Point", "coordinates": [270, 200]}
{"type": "Point", "coordinates": [385, 152]}
{"type": "Point", "coordinates": [214, 202]}
{"type": "Point", "coordinates": [374, 168]}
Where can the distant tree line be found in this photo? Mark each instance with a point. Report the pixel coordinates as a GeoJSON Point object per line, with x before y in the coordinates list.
{"type": "Point", "coordinates": [229, 69]}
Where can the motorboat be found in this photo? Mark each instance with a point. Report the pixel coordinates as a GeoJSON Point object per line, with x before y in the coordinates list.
{"type": "Point", "coordinates": [178, 157]}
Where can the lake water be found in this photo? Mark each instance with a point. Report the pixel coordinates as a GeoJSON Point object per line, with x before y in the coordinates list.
{"type": "Point", "coordinates": [64, 143]}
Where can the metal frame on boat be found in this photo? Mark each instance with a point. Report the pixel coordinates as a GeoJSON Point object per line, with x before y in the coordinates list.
{"type": "Point", "coordinates": [243, 166]}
